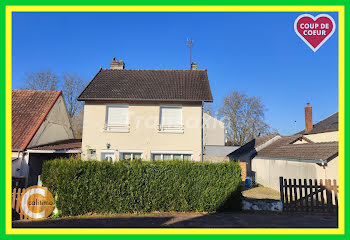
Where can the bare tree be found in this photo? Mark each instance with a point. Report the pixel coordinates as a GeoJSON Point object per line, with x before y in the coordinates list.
{"type": "Point", "coordinates": [243, 117]}
{"type": "Point", "coordinates": [42, 80]}
{"type": "Point", "coordinates": [77, 124]}
{"type": "Point", "coordinates": [73, 84]}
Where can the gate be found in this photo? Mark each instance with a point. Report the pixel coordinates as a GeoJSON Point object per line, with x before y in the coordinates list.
{"type": "Point", "coordinates": [16, 210]}
{"type": "Point", "coordinates": [309, 195]}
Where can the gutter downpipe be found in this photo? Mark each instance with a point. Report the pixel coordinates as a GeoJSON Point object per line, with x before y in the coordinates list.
{"type": "Point", "coordinates": [202, 146]}
{"type": "Point", "coordinates": [18, 152]}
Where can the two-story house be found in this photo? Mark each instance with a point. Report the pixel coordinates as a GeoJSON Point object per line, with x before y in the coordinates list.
{"type": "Point", "coordinates": [146, 114]}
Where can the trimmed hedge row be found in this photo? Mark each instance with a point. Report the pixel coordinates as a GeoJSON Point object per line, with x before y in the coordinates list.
{"type": "Point", "coordinates": [142, 186]}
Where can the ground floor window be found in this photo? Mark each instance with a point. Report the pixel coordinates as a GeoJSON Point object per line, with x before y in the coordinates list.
{"type": "Point", "coordinates": [107, 155]}
{"type": "Point", "coordinates": [130, 155]}
{"type": "Point", "coordinates": [91, 154]}
{"type": "Point", "coordinates": [156, 156]}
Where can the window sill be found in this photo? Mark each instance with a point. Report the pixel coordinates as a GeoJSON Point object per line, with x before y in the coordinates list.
{"type": "Point", "coordinates": [171, 131]}
{"type": "Point", "coordinates": [116, 131]}
{"type": "Point", "coordinates": [116, 128]}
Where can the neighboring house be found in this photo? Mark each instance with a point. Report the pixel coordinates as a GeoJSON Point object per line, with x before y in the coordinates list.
{"type": "Point", "coordinates": [296, 161]}
{"type": "Point", "coordinates": [310, 154]}
{"type": "Point", "coordinates": [249, 150]}
{"type": "Point", "coordinates": [38, 118]}
{"type": "Point", "coordinates": [323, 131]}
{"type": "Point", "coordinates": [214, 130]}
{"type": "Point", "coordinates": [214, 140]}
{"type": "Point", "coordinates": [147, 114]}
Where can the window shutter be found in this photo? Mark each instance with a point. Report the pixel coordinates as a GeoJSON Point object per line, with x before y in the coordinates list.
{"type": "Point", "coordinates": [118, 115]}
{"type": "Point", "coordinates": [171, 116]}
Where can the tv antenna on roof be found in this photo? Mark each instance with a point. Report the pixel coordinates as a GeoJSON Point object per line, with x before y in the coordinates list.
{"type": "Point", "coordinates": [190, 45]}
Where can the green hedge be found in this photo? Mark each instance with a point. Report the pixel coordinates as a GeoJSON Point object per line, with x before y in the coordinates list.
{"type": "Point", "coordinates": [142, 186]}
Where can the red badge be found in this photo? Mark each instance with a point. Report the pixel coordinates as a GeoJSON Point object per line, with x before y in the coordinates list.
{"type": "Point", "coordinates": [314, 31]}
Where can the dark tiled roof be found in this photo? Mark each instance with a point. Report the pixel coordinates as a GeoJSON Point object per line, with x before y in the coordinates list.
{"type": "Point", "coordinates": [219, 151]}
{"type": "Point", "coordinates": [70, 144]}
{"type": "Point", "coordinates": [253, 144]}
{"type": "Point", "coordinates": [326, 125]}
{"type": "Point", "coordinates": [29, 109]}
{"type": "Point", "coordinates": [164, 85]}
{"type": "Point", "coordinates": [283, 148]}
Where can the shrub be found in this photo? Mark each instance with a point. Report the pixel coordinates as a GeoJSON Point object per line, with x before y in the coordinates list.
{"type": "Point", "coordinates": [142, 186]}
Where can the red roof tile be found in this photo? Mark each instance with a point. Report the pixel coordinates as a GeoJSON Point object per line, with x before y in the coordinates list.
{"type": "Point", "coordinates": [29, 109]}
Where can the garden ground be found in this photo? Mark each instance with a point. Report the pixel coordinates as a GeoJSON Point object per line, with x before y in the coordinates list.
{"type": "Point", "coordinates": [261, 192]}
{"type": "Point", "coordinates": [189, 220]}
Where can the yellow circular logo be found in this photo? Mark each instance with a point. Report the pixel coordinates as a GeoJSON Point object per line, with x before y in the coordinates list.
{"type": "Point", "coordinates": [37, 203]}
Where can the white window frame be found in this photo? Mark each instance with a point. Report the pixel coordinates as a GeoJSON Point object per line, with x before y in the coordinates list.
{"type": "Point", "coordinates": [116, 127]}
{"type": "Point", "coordinates": [172, 153]}
{"type": "Point", "coordinates": [108, 151]}
{"type": "Point", "coordinates": [174, 128]}
{"type": "Point", "coordinates": [132, 152]}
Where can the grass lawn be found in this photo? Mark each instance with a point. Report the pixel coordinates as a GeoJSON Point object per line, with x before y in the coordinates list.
{"type": "Point", "coordinates": [261, 192]}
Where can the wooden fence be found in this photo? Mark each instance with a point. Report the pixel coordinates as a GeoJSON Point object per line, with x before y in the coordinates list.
{"type": "Point", "coordinates": [299, 195]}
{"type": "Point", "coordinates": [16, 197]}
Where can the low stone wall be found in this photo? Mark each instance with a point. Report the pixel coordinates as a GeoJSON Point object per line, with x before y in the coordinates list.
{"type": "Point", "coordinates": [262, 205]}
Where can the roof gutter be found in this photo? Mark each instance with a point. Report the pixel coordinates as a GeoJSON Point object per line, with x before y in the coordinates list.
{"type": "Point", "coordinates": [324, 131]}
{"type": "Point", "coordinates": [143, 99]}
{"type": "Point", "coordinates": [16, 150]}
{"type": "Point", "coordinates": [52, 151]}
{"type": "Point", "coordinates": [306, 160]}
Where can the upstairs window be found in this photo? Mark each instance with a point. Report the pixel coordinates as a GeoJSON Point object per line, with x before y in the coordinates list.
{"type": "Point", "coordinates": [170, 119]}
{"type": "Point", "coordinates": [117, 118]}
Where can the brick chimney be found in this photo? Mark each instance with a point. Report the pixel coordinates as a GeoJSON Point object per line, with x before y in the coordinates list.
{"type": "Point", "coordinates": [308, 117]}
{"type": "Point", "coordinates": [193, 66]}
{"type": "Point", "coordinates": [117, 64]}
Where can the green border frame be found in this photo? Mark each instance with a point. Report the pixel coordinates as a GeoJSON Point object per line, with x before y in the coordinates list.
{"type": "Point", "coordinates": [5, 118]}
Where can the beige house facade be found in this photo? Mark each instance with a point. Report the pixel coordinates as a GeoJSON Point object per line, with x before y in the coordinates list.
{"type": "Point", "coordinates": [161, 119]}
{"type": "Point", "coordinates": [142, 136]}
